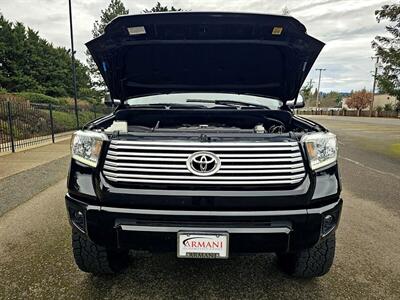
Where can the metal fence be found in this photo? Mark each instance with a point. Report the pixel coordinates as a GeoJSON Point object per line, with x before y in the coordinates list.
{"type": "Point", "coordinates": [23, 124]}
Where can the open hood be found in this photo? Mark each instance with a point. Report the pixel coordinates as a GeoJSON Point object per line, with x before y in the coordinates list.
{"type": "Point", "coordinates": [264, 55]}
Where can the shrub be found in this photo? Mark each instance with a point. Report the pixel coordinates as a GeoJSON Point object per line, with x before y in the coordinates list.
{"type": "Point", "coordinates": [379, 109]}
{"type": "Point", "coordinates": [11, 97]}
{"type": "Point", "coordinates": [82, 104]}
{"type": "Point", "coordinates": [38, 98]}
{"type": "Point", "coordinates": [388, 107]}
{"type": "Point", "coordinates": [55, 91]}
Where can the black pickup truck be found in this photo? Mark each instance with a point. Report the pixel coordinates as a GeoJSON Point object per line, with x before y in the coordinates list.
{"type": "Point", "coordinates": [203, 155]}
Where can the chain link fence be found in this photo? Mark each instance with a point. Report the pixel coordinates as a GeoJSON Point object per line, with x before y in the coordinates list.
{"type": "Point", "coordinates": [23, 124]}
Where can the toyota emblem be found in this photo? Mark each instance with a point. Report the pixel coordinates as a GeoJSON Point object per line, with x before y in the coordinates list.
{"type": "Point", "coordinates": [203, 163]}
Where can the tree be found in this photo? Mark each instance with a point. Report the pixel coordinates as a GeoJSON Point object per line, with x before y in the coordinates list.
{"type": "Point", "coordinates": [388, 49]}
{"type": "Point", "coordinates": [306, 93]}
{"type": "Point", "coordinates": [331, 99]}
{"type": "Point", "coordinates": [388, 107]}
{"type": "Point", "coordinates": [114, 9]}
{"type": "Point", "coordinates": [339, 100]}
{"type": "Point", "coordinates": [359, 100]}
{"type": "Point", "coordinates": [159, 8]}
{"type": "Point", "coordinates": [31, 63]}
{"type": "Point", "coordinates": [285, 11]}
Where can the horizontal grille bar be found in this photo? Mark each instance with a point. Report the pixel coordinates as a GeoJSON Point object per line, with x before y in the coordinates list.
{"type": "Point", "coordinates": [181, 166]}
{"type": "Point", "coordinates": [249, 163]}
{"type": "Point", "coordinates": [222, 160]}
{"type": "Point", "coordinates": [210, 178]}
{"type": "Point", "coordinates": [186, 155]}
{"type": "Point", "coordinates": [205, 148]}
{"type": "Point", "coordinates": [201, 144]}
{"type": "Point", "coordinates": [179, 182]}
{"type": "Point", "coordinates": [123, 169]}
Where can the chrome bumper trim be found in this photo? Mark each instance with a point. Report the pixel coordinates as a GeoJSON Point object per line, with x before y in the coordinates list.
{"type": "Point", "coordinates": [204, 213]}
{"type": "Point", "coordinates": [285, 230]}
{"type": "Point", "coordinates": [319, 210]}
{"type": "Point", "coordinates": [322, 209]}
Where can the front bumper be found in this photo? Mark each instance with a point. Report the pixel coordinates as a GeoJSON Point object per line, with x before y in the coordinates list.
{"type": "Point", "coordinates": [156, 230]}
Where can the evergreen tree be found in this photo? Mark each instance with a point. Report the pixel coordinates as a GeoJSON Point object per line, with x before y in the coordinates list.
{"type": "Point", "coordinates": [388, 49]}
{"type": "Point", "coordinates": [285, 11]}
{"type": "Point", "coordinates": [159, 8]}
{"type": "Point", "coordinates": [306, 92]}
{"type": "Point", "coordinates": [30, 63]}
{"type": "Point", "coordinates": [114, 9]}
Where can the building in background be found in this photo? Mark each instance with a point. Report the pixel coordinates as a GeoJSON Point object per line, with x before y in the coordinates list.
{"type": "Point", "coordinates": [379, 101]}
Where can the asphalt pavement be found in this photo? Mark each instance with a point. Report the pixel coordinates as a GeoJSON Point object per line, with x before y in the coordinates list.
{"type": "Point", "coordinates": [369, 157]}
{"type": "Point", "coordinates": [36, 260]}
{"type": "Point", "coordinates": [26, 173]}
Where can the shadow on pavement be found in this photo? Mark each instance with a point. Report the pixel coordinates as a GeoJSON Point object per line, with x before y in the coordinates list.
{"type": "Point", "coordinates": [164, 276]}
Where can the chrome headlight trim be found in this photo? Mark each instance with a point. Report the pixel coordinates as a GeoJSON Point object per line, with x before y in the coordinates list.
{"type": "Point", "coordinates": [321, 149]}
{"type": "Point", "coordinates": [86, 146]}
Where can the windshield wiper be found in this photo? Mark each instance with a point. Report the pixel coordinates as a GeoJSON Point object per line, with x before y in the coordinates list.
{"type": "Point", "coordinates": [230, 103]}
{"type": "Point", "coordinates": [166, 105]}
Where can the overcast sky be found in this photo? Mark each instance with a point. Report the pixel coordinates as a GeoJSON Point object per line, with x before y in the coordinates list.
{"type": "Point", "coordinates": [346, 26]}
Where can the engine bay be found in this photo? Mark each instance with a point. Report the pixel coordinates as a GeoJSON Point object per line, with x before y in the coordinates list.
{"type": "Point", "coordinates": [203, 121]}
{"type": "Point", "coordinates": [208, 128]}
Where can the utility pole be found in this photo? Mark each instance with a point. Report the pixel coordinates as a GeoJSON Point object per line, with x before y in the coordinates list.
{"type": "Point", "coordinates": [319, 84]}
{"type": "Point", "coordinates": [73, 64]}
{"type": "Point", "coordinates": [374, 86]}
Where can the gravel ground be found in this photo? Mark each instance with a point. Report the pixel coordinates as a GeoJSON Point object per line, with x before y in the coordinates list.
{"type": "Point", "coordinates": [36, 260]}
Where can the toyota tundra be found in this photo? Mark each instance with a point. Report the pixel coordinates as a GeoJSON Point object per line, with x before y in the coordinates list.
{"type": "Point", "coordinates": [203, 156]}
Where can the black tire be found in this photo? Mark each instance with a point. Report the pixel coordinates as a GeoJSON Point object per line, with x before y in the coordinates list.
{"type": "Point", "coordinates": [95, 259]}
{"type": "Point", "coordinates": [312, 262]}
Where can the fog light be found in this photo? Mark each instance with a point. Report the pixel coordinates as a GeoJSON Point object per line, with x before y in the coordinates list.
{"type": "Point", "coordinates": [78, 219]}
{"type": "Point", "coordinates": [328, 224]}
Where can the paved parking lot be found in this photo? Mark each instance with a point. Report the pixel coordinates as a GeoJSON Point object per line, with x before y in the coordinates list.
{"type": "Point", "coordinates": [36, 259]}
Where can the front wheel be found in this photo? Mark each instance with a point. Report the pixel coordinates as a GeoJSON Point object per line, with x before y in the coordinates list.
{"type": "Point", "coordinates": [312, 262]}
{"type": "Point", "coordinates": [92, 258]}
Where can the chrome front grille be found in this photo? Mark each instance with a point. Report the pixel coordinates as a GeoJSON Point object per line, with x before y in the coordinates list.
{"type": "Point", "coordinates": [250, 163]}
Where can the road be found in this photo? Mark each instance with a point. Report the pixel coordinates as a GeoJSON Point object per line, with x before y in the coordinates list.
{"type": "Point", "coordinates": [369, 155]}
{"type": "Point", "coordinates": [36, 260]}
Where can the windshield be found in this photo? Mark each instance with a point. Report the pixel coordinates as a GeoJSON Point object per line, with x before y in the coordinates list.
{"type": "Point", "coordinates": [191, 98]}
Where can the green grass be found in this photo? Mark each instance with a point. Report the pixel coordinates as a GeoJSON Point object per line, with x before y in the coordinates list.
{"type": "Point", "coordinates": [394, 150]}
{"type": "Point", "coordinates": [65, 121]}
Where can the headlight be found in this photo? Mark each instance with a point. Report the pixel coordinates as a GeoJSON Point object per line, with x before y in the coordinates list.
{"type": "Point", "coordinates": [86, 146]}
{"type": "Point", "coordinates": [321, 149]}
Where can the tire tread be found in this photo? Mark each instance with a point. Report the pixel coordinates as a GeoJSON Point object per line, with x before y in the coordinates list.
{"type": "Point", "coordinates": [92, 258]}
{"type": "Point", "coordinates": [312, 262]}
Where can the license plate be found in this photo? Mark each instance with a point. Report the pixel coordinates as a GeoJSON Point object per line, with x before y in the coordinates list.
{"type": "Point", "coordinates": [203, 245]}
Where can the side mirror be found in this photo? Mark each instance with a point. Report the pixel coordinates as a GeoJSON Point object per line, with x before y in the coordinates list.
{"type": "Point", "coordinates": [299, 103]}
{"type": "Point", "coordinates": [109, 102]}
